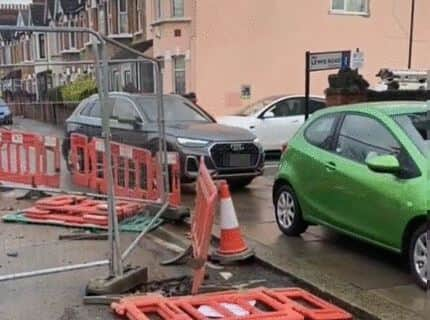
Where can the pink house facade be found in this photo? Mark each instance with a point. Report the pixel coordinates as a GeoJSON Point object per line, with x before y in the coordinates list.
{"type": "Point", "coordinates": [231, 53]}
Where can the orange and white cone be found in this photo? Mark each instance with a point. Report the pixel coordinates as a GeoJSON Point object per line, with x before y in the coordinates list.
{"type": "Point", "coordinates": [232, 246]}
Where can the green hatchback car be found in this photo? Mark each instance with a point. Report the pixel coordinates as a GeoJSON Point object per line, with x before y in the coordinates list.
{"type": "Point", "coordinates": [362, 170]}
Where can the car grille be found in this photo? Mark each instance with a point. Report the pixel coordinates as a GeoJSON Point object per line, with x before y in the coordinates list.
{"type": "Point", "coordinates": [235, 155]}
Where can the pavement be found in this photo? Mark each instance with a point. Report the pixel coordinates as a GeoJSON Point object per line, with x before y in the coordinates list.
{"type": "Point", "coordinates": [372, 282]}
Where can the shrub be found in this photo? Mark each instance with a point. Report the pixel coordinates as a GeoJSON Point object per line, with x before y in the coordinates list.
{"type": "Point", "coordinates": [79, 89]}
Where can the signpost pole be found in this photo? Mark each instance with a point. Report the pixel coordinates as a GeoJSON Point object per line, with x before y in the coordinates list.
{"type": "Point", "coordinates": [307, 84]}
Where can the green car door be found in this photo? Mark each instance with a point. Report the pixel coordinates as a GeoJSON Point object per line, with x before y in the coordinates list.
{"type": "Point", "coordinates": [368, 204]}
{"type": "Point", "coordinates": [311, 161]}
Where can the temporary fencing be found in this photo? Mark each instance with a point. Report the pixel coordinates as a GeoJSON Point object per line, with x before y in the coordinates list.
{"type": "Point", "coordinates": [135, 171]}
{"type": "Point", "coordinates": [30, 159]}
{"type": "Point", "coordinates": [201, 226]}
{"type": "Point", "coordinates": [78, 211]}
{"type": "Point", "coordinates": [260, 303]}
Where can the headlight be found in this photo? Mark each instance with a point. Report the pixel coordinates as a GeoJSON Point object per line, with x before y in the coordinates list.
{"type": "Point", "coordinates": [256, 140]}
{"type": "Point", "coordinates": [192, 142]}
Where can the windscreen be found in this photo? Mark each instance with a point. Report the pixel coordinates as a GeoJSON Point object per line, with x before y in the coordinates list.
{"type": "Point", "coordinates": [175, 110]}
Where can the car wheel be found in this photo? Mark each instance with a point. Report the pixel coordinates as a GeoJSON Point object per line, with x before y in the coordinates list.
{"type": "Point", "coordinates": [239, 183]}
{"type": "Point", "coordinates": [288, 213]}
{"type": "Point", "coordinates": [418, 256]}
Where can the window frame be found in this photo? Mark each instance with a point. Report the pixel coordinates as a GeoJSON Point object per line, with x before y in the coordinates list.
{"type": "Point", "coordinates": [275, 103]}
{"type": "Point", "coordinates": [131, 102]}
{"type": "Point", "coordinates": [41, 49]}
{"type": "Point", "coordinates": [120, 15]}
{"type": "Point", "coordinates": [177, 70]}
{"type": "Point", "coordinates": [158, 9]}
{"type": "Point", "coordinates": [339, 116]}
{"type": "Point", "coordinates": [404, 174]}
{"type": "Point", "coordinates": [174, 9]}
{"type": "Point", "coordinates": [366, 11]}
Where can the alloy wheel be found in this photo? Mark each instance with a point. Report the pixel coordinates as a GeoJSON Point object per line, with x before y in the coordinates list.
{"type": "Point", "coordinates": [286, 209]}
{"type": "Point", "coordinates": [420, 257]}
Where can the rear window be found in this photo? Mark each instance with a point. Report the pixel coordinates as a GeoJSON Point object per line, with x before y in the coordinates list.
{"type": "Point", "coordinates": [417, 127]}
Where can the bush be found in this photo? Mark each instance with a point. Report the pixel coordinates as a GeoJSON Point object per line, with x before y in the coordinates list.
{"type": "Point", "coordinates": [79, 89]}
{"type": "Point", "coordinates": [346, 82]}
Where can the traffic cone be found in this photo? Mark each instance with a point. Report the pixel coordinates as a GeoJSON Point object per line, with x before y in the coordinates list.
{"type": "Point", "coordinates": [232, 246]}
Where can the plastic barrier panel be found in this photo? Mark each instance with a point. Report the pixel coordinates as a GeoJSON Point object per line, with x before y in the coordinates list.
{"type": "Point", "coordinates": [135, 171]}
{"type": "Point", "coordinates": [79, 211]}
{"type": "Point", "coordinates": [174, 168]}
{"type": "Point", "coordinates": [132, 169]}
{"type": "Point", "coordinates": [312, 307]}
{"type": "Point", "coordinates": [260, 303]}
{"type": "Point", "coordinates": [30, 159]}
{"type": "Point", "coordinates": [80, 161]}
{"type": "Point", "coordinates": [201, 225]}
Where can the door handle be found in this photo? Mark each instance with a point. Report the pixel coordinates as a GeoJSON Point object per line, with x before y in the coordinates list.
{"type": "Point", "coordinates": [330, 166]}
{"type": "Point", "coordinates": [295, 121]}
{"type": "Point", "coordinates": [252, 127]}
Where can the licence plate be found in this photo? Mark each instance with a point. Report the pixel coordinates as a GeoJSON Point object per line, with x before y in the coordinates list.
{"type": "Point", "coordinates": [239, 160]}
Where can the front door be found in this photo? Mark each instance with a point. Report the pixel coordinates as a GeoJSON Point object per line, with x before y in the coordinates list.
{"type": "Point", "coordinates": [126, 123]}
{"type": "Point", "coordinates": [279, 123]}
{"type": "Point", "coordinates": [365, 202]}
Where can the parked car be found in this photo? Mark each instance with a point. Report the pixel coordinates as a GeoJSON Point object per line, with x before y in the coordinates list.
{"type": "Point", "coordinates": [6, 116]}
{"type": "Point", "coordinates": [362, 170]}
{"type": "Point", "coordinates": [230, 153]}
{"type": "Point", "coordinates": [274, 119]}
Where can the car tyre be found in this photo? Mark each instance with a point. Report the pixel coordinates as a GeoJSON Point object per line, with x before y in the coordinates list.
{"type": "Point", "coordinates": [418, 256]}
{"type": "Point", "coordinates": [288, 213]}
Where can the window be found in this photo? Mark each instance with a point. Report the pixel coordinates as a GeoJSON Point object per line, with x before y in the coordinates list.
{"type": "Point", "coordinates": [288, 107]}
{"type": "Point", "coordinates": [177, 8]}
{"type": "Point", "coordinates": [127, 77]}
{"type": "Point", "coordinates": [115, 80]}
{"type": "Point", "coordinates": [176, 109]}
{"type": "Point", "coordinates": [361, 137]}
{"type": "Point", "coordinates": [360, 7]}
{"type": "Point", "coordinates": [158, 9]}
{"type": "Point", "coordinates": [87, 109]}
{"type": "Point", "coordinates": [315, 105]}
{"type": "Point", "coordinates": [179, 74]}
{"type": "Point", "coordinates": [320, 132]}
{"type": "Point", "coordinates": [122, 16]}
{"type": "Point", "coordinates": [42, 46]}
{"type": "Point", "coordinates": [416, 127]}
{"type": "Point", "coordinates": [95, 111]}
{"type": "Point", "coordinates": [124, 109]}
{"type": "Point", "coordinates": [72, 36]}
{"type": "Point", "coordinates": [139, 15]}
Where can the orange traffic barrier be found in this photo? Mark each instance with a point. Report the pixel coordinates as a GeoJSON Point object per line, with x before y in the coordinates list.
{"type": "Point", "coordinates": [232, 246]}
{"type": "Point", "coordinates": [203, 220]}
{"type": "Point", "coordinates": [78, 211]}
{"type": "Point", "coordinates": [174, 173]}
{"type": "Point", "coordinates": [260, 303]}
{"type": "Point", "coordinates": [312, 307]}
{"type": "Point", "coordinates": [80, 161]}
{"type": "Point", "coordinates": [135, 171]}
{"type": "Point", "coordinates": [30, 159]}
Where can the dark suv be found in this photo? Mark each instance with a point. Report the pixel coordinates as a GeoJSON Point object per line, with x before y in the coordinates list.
{"type": "Point", "coordinates": [230, 153]}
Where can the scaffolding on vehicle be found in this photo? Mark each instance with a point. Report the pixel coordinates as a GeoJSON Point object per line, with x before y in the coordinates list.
{"type": "Point", "coordinates": [101, 63]}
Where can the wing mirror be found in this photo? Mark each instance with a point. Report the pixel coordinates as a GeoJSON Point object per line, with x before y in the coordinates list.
{"type": "Point", "coordinates": [268, 115]}
{"type": "Point", "coordinates": [383, 164]}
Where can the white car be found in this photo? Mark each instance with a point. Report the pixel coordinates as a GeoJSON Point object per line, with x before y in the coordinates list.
{"type": "Point", "coordinates": [274, 120]}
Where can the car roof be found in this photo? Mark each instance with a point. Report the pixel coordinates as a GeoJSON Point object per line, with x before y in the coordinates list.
{"type": "Point", "coordinates": [386, 107]}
